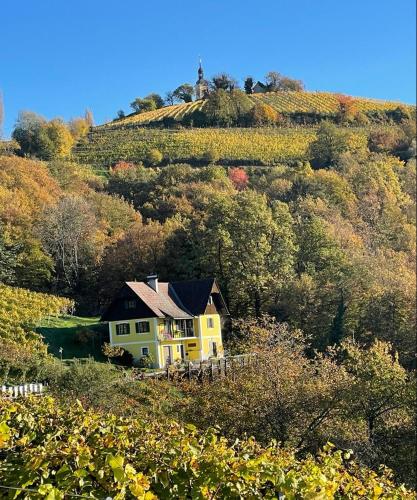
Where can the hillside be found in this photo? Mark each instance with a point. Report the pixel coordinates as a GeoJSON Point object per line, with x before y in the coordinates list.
{"type": "Point", "coordinates": [323, 103]}
{"type": "Point", "coordinates": [247, 146]}
{"type": "Point", "coordinates": [285, 139]}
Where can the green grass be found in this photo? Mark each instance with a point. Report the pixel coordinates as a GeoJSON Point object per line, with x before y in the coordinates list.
{"type": "Point", "coordinates": [60, 332]}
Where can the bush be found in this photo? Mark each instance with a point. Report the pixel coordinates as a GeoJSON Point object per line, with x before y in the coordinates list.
{"type": "Point", "coordinates": [154, 157]}
{"type": "Point", "coordinates": [383, 141]}
{"type": "Point", "coordinates": [262, 114]}
{"type": "Point", "coordinates": [84, 336]}
{"type": "Point", "coordinates": [49, 446]}
{"type": "Point", "coordinates": [329, 145]}
{"type": "Point", "coordinates": [144, 362]}
{"type": "Point", "coordinates": [210, 156]}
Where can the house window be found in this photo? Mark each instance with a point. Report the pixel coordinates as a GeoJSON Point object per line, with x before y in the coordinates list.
{"type": "Point", "coordinates": [210, 323]}
{"type": "Point", "coordinates": [123, 329]}
{"type": "Point", "coordinates": [145, 351]}
{"type": "Point", "coordinates": [184, 327]}
{"type": "Point", "coordinates": [130, 304]}
{"type": "Point", "coordinates": [142, 327]}
{"type": "Point", "coordinates": [167, 326]}
{"type": "Point", "coordinates": [210, 300]}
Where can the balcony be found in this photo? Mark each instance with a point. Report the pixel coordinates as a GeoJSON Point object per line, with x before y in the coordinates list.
{"type": "Point", "coordinates": [176, 334]}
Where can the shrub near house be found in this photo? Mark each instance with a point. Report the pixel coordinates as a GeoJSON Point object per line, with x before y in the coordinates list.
{"type": "Point", "coordinates": [168, 321]}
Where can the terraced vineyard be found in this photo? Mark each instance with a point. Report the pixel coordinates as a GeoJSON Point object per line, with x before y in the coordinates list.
{"type": "Point", "coordinates": [106, 146]}
{"type": "Point", "coordinates": [323, 103]}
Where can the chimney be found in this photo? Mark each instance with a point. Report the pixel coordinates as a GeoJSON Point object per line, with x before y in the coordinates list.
{"type": "Point", "coordinates": [152, 281]}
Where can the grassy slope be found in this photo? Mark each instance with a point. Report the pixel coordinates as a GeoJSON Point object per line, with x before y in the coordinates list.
{"type": "Point", "coordinates": [59, 332]}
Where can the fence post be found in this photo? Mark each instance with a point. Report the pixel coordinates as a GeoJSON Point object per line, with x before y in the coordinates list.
{"type": "Point", "coordinates": [189, 371]}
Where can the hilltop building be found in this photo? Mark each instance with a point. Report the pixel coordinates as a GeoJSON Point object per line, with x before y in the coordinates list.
{"type": "Point", "coordinates": [168, 322]}
{"type": "Point", "coordinates": [259, 88]}
{"type": "Point", "coordinates": [201, 85]}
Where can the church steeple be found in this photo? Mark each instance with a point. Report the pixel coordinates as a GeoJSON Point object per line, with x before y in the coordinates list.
{"type": "Point", "coordinates": [200, 71]}
{"type": "Point", "coordinates": [201, 86]}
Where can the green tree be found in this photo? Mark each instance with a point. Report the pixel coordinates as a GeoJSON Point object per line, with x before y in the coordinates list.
{"type": "Point", "coordinates": [46, 140]}
{"type": "Point", "coordinates": [26, 132]}
{"type": "Point", "coordinates": [223, 81]}
{"type": "Point", "coordinates": [8, 255]}
{"type": "Point", "coordinates": [157, 99]}
{"type": "Point", "coordinates": [248, 85]}
{"type": "Point", "coordinates": [227, 108]}
{"type": "Point", "coordinates": [277, 82]}
{"type": "Point", "coordinates": [252, 247]}
{"type": "Point", "coordinates": [184, 92]}
{"type": "Point", "coordinates": [331, 142]}
{"type": "Point", "coordinates": [55, 140]}
{"type": "Point", "coordinates": [383, 395]}
{"type": "Point", "coordinates": [143, 105]}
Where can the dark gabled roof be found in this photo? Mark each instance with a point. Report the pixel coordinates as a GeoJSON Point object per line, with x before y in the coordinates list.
{"type": "Point", "coordinates": [116, 312]}
{"type": "Point", "coordinates": [194, 294]}
{"type": "Point", "coordinates": [180, 299]}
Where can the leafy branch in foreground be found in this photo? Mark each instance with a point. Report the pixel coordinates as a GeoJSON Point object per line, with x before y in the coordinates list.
{"type": "Point", "coordinates": [67, 449]}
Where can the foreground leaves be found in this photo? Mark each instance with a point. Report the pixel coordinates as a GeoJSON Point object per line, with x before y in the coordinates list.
{"type": "Point", "coordinates": [58, 450]}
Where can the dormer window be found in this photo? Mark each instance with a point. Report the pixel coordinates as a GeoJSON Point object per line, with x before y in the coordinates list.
{"type": "Point", "coordinates": [210, 300]}
{"type": "Point", "coordinates": [130, 304]}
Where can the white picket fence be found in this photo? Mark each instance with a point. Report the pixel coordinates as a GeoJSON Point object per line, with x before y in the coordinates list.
{"type": "Point", "coordinates": [15, 391]}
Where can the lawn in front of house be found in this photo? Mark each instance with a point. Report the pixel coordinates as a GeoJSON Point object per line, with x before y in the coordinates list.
{"type": "Point", "coordinates": [64, 332]}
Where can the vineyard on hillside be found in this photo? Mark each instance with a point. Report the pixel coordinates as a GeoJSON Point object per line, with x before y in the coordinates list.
{"type": "Point", "coordinates": [20, 308]}
{"type": "Point", "coordinates": [268, 146]}
{"type": "Point", "coordinates": [322, 103]}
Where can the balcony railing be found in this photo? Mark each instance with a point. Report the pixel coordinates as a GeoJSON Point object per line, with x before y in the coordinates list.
{"type": "Point", "coordinates": [176, 334]}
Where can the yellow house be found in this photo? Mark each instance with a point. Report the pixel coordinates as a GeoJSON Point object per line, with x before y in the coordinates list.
{"type": "Point", "coordinates": [168, 321]}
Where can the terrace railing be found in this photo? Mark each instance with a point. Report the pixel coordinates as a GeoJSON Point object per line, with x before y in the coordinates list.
{"type": "Point", "coordinates": [176, 334]}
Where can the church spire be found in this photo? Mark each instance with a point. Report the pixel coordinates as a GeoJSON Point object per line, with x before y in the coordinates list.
{"type": "Point", "coordinates": [200, 70]}
{"type": "Point", "coordinates": [201, 86]}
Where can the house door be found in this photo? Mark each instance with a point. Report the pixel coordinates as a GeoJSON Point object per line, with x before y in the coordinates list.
{"type": "Point", "coordinates": [167, 354]}
{"type": "Point", "coordinates": [182, 352]}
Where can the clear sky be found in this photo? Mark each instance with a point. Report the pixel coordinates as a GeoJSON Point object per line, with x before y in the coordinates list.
{"type": "Point", "coordinates": [58, 57]}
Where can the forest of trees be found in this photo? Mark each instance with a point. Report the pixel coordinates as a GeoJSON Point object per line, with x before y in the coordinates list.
{"type": "Point", "coordinates": [315, 260]}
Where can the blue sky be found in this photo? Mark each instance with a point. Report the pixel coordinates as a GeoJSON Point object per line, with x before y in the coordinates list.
{"type": "Point", "coordinates": [59, 57]}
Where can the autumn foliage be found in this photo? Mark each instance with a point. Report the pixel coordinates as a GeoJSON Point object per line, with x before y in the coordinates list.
{"type": "Point", "coordinates": [239, 178]}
